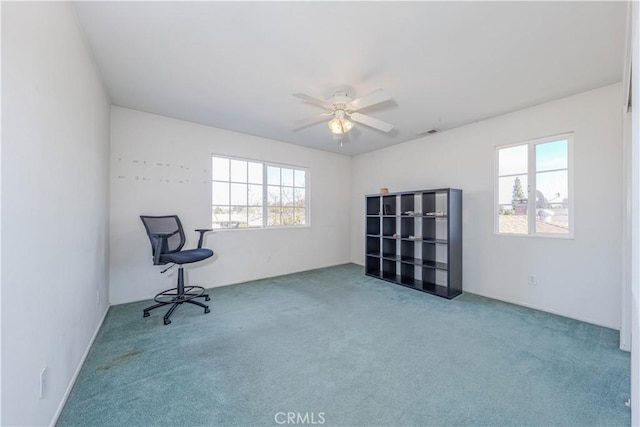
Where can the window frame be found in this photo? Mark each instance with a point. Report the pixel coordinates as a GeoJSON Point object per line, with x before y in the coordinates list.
{"type": "Point", "coordinates": [265, 185]}
{"type": "Point", "coordinates": [531, 174]}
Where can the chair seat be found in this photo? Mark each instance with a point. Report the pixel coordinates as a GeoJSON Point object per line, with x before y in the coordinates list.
{"type": "Point", "coordinates": [186, 257]}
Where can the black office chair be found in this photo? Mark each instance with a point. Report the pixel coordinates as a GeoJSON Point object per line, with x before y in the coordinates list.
{"type": "Point", "coordinates": [167, 239]}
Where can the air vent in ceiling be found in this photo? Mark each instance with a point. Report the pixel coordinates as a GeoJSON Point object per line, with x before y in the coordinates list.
{"type": "Point", "coordinates": [429, 132]}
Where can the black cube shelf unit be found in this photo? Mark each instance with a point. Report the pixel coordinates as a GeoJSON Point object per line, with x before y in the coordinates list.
{"type": "Point", "coordinates": [414, 239]}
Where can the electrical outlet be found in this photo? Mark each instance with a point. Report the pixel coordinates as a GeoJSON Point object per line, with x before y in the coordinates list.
{"type": "Point", "coordinates": [533, 280]}
{"type": "Point", "coordinates": [43, 381]}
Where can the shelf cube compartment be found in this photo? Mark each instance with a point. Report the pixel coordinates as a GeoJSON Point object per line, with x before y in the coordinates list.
{"type": "Point", "coordinates": [435, 281]}
{"type": "Point", "coordinates": [373, 206]}
{"type": "Point", "coordinates": [428, 202]}
{"type": "Point", "coordinates": [441, 228]}
{"type": "Point", "coordinates": [428, 228]}
{"type": "Point", "coordinates": [388, 226]}
{"type": "Point", "coordinates": [407, 251]}
{"type": "Point", "coordinates": [389, 248]}
{"type": "Point", "coordinates": [372, 266]}
{"type": "Point", "coordinates": [389, 269]}
{"type": "Point", "coordinates": [373, 226]}
{"type": "Point", "coordinates": [407, 203]}
{"type": "Point", "coordinates": [389, 205]}
{"type": "Point", "coordinates": [434, 276]}
{"type": "Point", "coordinates": [407, 274]}
{"type": "Point", "coordinates": [428, 275]}
{"type": "Point", "coordinates": [434, 228]}
{"type": "Point", "coordinates": [434, 255]}
{"type": "Point", "coordinates": [434, 201]}
{"type": "Point", "coordinates": [373, 246]}
{"type": "Point", "coordinates": [407, 226]}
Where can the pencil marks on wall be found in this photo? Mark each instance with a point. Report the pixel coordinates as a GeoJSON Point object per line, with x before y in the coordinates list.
{"type": "Point", "coordinates": [158, 172]}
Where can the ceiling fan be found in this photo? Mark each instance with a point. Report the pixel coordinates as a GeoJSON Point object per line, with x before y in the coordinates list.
{"type": "Point", "coordinates": [345, 111]}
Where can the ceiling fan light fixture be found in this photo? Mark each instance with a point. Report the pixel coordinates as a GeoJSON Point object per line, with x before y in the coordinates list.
{"type": "Point", "coordinates": [339, 126]}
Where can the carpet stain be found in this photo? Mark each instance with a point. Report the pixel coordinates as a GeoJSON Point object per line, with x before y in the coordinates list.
{"type": "Point", "coordinates": [118, 361]}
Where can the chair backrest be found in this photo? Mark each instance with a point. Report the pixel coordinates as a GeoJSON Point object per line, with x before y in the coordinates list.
{"type": "Point", "coordinates": [164, 224]}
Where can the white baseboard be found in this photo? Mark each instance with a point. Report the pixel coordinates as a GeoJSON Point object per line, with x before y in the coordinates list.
{"type": "Point", "coordinates": [535, 307]}
{"type": "Point", "coordinates": [624, 346]}
{"type": "Point", "coordinates": [63, 401]}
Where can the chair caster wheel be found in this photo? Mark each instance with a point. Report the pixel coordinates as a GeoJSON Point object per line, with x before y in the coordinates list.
{"type": "Point", "coordinates": [207, 299]}
{"type": "Point", "coordinates": [167, 321]}
{"type": "Point", "coordinates": [146, 314]}
{"type": "Point", "coordinates": [206, 310]}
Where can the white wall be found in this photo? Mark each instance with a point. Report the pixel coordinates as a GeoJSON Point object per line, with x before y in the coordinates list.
{"type": "Point", "coordinates": [55, 153]}
{"type": "Point", "coordinates": [578, 278]}
{"type": "Point", "coordinates": [162, 166]}
{"type": "Point", "coordinates": [633, 289]}
{"type": "Point", "coordinates": [627, 184]}
{"type": "Point", "coordinates": [0, 224]}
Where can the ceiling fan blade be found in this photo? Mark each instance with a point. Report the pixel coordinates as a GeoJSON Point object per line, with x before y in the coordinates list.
{"type": "Point", "coordinates": [314, 101]}
{"type": "Point", "coordinates": [301, 124]}
{"type": "Point", "coordinates": [375, 97]}
{"type": "Point", "coordinates": [371, 122]}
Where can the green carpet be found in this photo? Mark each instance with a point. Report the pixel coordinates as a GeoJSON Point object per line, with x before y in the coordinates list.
{"type": "Point", "coordinates": [334, 347]}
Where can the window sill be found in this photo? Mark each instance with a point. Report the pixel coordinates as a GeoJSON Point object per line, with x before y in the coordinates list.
{"type": "Point", "coordinates": [539, 235]}
{"type": "Point", "coordinates": [282, 227]}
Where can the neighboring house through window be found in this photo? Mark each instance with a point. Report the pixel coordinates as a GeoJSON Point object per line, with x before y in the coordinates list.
{"type": "Point", "coordinates": [534, 188]}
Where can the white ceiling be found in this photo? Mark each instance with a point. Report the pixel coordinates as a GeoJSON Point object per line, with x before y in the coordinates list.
{"type": "Point", "coordinates": [235, 65]}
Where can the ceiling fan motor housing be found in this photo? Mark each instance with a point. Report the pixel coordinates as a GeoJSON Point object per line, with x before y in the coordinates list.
{"type": "Point", "coordinates": [339, 113]}
{"type": "Point", "coordinates": [340, 101]}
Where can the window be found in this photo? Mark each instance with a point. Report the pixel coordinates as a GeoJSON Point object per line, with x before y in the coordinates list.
{"type": "Point", "coordinates": [251, 194]}
{"type": "Point", "coordinates": [534, 193]}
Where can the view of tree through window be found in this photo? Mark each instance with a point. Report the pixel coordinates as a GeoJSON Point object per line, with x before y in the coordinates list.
{"type": "Point", "coordinates": [286, 195]}
{"type": "Point", "coordinates": [250, 194]}
{"type": "Point", "coordinates": [533, 187]}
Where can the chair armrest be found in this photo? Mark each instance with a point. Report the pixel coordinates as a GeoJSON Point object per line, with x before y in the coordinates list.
{"type": "Point", "coordinates": [202, 231]}
{"type": "Point", "coordinates": [161, 242]}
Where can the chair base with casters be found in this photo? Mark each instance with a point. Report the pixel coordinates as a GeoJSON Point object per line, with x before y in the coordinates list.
{"type": "Point", "coordinates": [167, 239]}
{"type": "Point", "coordinates": [179, 295]}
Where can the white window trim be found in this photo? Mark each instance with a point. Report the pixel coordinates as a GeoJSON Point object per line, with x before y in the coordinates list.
{"type": "Point", "coordinates": [531, 177]}
{"type": "Point", "coordinates": [265, 164]}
